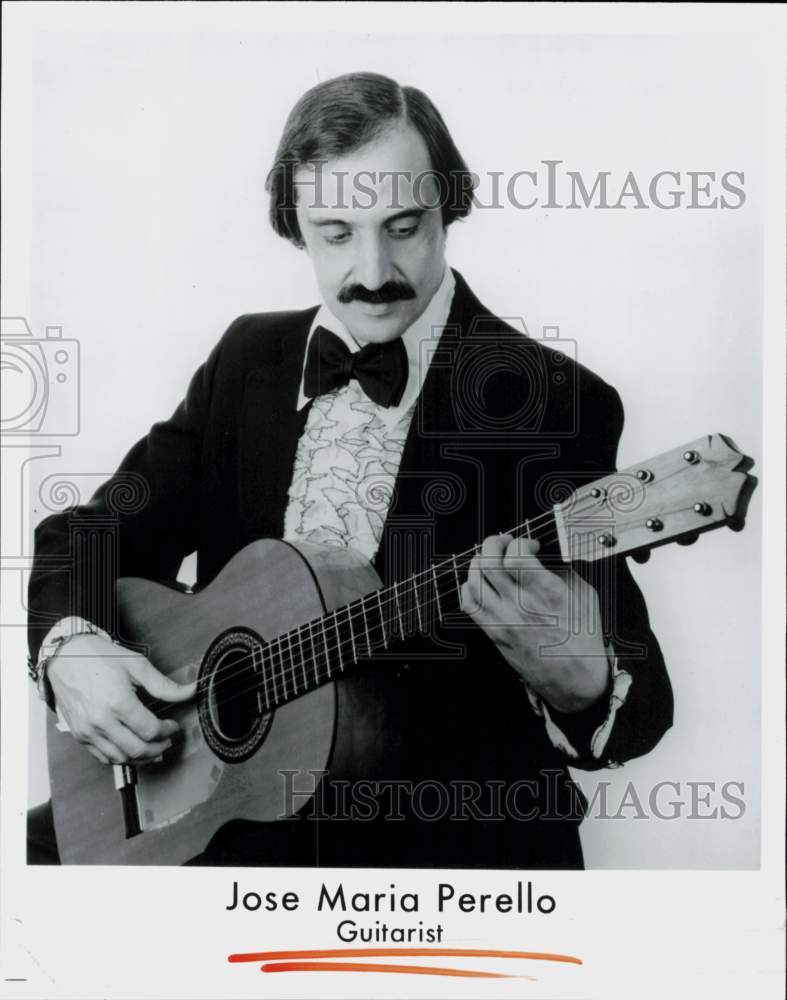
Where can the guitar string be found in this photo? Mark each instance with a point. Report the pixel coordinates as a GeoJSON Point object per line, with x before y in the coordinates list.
{"type": "Point", "coordinates": [289, 666]}
{"type": "Point", "coordinates": [320, 673]}
{"type": "Point", "coordinates": [388, 602]}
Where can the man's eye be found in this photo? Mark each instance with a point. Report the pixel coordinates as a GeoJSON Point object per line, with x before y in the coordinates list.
{"type": "Point", "coordinates": [403, 232]}
{"type": "Point", "coordinates": [335, 238]}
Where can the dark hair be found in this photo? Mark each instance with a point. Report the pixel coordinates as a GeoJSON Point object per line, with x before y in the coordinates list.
{"type": "Point", "coordinates": [342, 115]}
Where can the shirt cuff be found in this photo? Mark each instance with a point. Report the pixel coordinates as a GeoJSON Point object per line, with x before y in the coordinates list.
{"type": "Point", "coordinates": [60, 633]}
{"type": "Point", "coordinates": [618, 692]}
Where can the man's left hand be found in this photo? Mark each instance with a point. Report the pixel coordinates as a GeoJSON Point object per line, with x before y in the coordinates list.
{"type": "Point", "coordinates": [546, 624]}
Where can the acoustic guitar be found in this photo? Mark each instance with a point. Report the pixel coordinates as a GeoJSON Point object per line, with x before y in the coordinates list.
{"type": "Point", "coordinates": [272, 641]}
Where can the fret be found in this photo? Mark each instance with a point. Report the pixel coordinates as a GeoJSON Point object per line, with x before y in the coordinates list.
{"type": "Point", "coordinates": [259, 663]}
{"type": "Point", "coordinates": [314, 654]}
{"type": "Point", "coordinates": [325, 646]}
{"type": "Point", "coordinates": [282, 669]}
{"type": "Point", "coordinates": [437, 595]}
{"type": "Point", "coordinates": [317, 646]}
{"type": "Point", "coordinates": [398, 611]}
{"type": "Point", "coordinates": [456, 578]}
{"type": "Point", "coordinates": [265, 683]}
{"type": "Point", "coordinates": [273, 674]}
{"type": "Point", "coordinates": [292, 663]}
{"type": "Point", "coordinates": [366, 627]}
{"type": "Point", "coordinates": [338, 639]}
{"type": "Point", "coordinates": [352, 633]}
{"type": "Point", "coordinates": [299, 633]}
{"type": "Point", "coordinates": [382, 619]}
{"type": "Point", "coordinates": [417, 605]}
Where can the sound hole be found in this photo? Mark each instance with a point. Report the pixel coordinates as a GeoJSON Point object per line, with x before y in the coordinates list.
{"type": "Point", "coordinates": [230, 700]}
{"type": "Point", "coordinates": [235, 695]}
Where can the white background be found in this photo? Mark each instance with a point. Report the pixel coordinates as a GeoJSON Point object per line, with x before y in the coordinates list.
{"type": "Point", "coordinates": [149, 235]}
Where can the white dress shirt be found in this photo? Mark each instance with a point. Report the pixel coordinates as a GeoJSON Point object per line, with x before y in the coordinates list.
{"type": "Point", "coordinates": [349, 453]}
{"type": "Point", "coordinates": [343, 478]}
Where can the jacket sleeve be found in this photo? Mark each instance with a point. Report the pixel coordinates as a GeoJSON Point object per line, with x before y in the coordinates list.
{"type": "Point", "coordinates": [141, 522]}
{"type": "Point", "coordinates": [637, 708]}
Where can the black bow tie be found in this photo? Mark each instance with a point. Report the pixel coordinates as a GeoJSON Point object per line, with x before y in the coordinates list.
{"type": "Point", "coordinates": [381, 369]}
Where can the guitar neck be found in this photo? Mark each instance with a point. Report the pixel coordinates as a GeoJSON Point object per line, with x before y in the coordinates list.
{"type": "Point", "coordinates": [320, 650]}
{"type": "Point", "coordinates": [684, 492]}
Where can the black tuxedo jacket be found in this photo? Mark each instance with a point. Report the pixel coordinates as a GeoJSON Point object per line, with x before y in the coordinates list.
{"type": "Point", "coordinates": [503, 427]}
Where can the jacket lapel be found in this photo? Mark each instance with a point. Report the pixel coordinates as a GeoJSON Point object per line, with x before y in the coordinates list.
{"type": "Point", "coordinates": [438, 504]}
{"type": "Point", "coordinates": [435, 507]}
{"type": "Point", "coordinates": [271, 426]}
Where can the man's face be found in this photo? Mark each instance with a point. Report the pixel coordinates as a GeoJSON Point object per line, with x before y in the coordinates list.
{"type": "Point", "coordinates": [369, 232]}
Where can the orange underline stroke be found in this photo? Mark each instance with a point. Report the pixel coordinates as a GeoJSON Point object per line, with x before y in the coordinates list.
{"type": "Point", "coordinates": [413, 970]}
{"type": "Point", "coordinates": [263, 956]}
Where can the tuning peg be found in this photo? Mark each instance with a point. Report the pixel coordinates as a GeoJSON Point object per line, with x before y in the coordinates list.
{"type": "Point", "coordinates": [688, 539]}
{"type": "Point", "coordinates": [640, 555]}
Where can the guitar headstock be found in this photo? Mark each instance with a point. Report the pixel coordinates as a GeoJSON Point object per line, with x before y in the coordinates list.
{"type": "Point", "coordinates": [672, 497]}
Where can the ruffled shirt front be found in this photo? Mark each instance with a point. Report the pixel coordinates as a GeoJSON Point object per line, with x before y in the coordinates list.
{"type": "Point", "coordinates": [349, 452]}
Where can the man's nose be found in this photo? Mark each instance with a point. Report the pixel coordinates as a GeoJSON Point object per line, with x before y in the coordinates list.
{"type": "Point", "coordinates": [372, 269]}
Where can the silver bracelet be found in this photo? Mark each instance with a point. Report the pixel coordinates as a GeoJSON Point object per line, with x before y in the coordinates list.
{"type": "Point", "coordinates": [37, 669]}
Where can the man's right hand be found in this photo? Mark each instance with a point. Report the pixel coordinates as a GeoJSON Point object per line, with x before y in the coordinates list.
{"type": "Point", "coordinates": [94, 682]}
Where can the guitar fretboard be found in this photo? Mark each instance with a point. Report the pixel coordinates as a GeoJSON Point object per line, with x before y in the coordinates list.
{"type": "Point", "coordinates": [315, 653]}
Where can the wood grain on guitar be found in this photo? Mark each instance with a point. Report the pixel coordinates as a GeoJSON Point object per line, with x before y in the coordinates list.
{"type": "Point", "coordinates": [272, 640]}
{"type": "Point", "coordinates": [673, 497]}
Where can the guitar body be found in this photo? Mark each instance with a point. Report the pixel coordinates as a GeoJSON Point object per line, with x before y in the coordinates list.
{"type": "Point", "coordinates": [268, 643]}
{"type": "Point", "coordinates": [269, 588]}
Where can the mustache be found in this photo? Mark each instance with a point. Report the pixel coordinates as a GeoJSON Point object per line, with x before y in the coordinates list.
{"type": "Point", "coordinates": [391, 291]}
